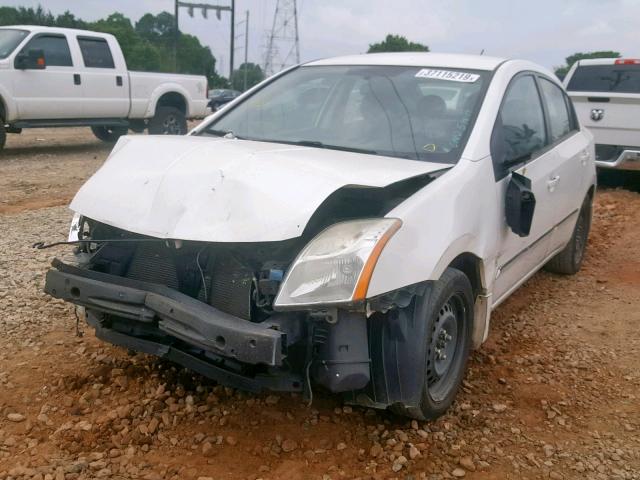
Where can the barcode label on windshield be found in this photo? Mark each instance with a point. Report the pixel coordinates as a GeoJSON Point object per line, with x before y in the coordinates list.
{"type": "Point", "coordinates": [448, 75]}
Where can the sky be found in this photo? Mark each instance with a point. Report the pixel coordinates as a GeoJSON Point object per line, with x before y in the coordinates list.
{"type": "Point", "coordinates": [544, 31]}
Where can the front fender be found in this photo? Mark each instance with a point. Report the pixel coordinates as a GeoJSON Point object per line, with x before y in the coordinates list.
{"type": "Point", "coordinates": [8, 104]}
{"type": "Point", "coordinates": [456, 213]}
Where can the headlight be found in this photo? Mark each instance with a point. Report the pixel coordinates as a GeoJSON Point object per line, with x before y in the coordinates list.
{"type": "Point", "coordinates": [336, 266]}
{"type": "Point", "coordinates": [74, 229]}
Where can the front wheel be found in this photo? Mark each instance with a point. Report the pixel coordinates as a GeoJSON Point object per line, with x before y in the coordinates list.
{"type": "Point", "coordinates": [569, 260]}
{"type": "Point", "coordinates": [109, 134]}
{"type": "Point", "coordinates": [168, 121]}
{"type": "Point", "coordinates": [448, 313]}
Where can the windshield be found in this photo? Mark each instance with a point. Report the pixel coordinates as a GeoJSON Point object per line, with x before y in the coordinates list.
{"type": "Point", "coordinates": [407, 112]}
{"type": "Point", "coordinates": [606, 78]}
{"type": "Point", "coordinates": [9, 40]}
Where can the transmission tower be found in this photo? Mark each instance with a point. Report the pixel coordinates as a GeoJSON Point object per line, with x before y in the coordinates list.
{"type": "Point", "coordinates": [283, 44]}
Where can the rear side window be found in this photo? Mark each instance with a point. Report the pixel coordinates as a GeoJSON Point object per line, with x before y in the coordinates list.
{"type": "Point", "coordinates": [606, 78]}
{"type": "Point", "coordinates": [95, 52]}
{"type": "Point", "coordinates": [559, 115]}
{"type": "Point", "coordinates": [520, 129]}
{"type": "Point", "coordinates": [55, 48]}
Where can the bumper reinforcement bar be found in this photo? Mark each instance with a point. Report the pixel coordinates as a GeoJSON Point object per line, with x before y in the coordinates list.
{"type": "Point", "coordinates": [177, 314]}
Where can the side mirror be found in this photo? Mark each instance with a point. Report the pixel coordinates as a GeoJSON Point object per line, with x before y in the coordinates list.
{"type": "Point", "coordinates": [33, 59]}
{"type": "Point", "coordinates": [520, 204]}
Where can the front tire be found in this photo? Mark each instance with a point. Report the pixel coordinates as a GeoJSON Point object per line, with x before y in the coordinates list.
{"type": "Point", "coordinates": [168, 121]}
{"type": "Point", "coordinates": [109, 134]}
{"type": "Point", "coordinates": [569, 260]}
{"type": "Point", "coordinates": [448, 311]}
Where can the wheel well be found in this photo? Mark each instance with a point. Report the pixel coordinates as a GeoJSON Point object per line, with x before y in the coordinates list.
{"type": "Point", "coordinates": [173, 99]}
{"type": "Point", "coordinates": [3, 112]}
{"type": "Point", "coordinates": [591, 192]}
{"type": "Point", "coordinates": [470, 265]}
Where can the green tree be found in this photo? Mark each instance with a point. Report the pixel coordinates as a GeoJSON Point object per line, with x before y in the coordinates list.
{"type": "Point", "coordinates": [254, 75]}
{"type": "Point", "coordinates": [157, 28]}
{"type": "Point", "coordinates": [147, 47]}
{"type": "Point", "coordinates": [396, 43]}
{"type": "Point", "coordinates": [69, 20]}
{"type": "Point", "coordinates": [562, 71]}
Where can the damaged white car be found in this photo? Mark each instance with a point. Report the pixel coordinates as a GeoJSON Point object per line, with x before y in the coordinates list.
{"type": "Point", "coordinates": [348, 224]}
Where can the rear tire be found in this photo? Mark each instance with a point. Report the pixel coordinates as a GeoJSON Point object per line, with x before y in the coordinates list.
{"type": "Point", "coordinates": [569, 260]}
{"type": "Point", "coordinates": [3, 135]}
{"type": "Point", "coordinates": [168, 121]}
{"type": "Point", "coordinates": [448, 311]}
{"type": "Point", "coordinates": [109, 134]}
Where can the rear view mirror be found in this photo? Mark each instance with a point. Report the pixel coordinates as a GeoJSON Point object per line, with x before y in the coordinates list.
{"type": "Point", "coordinates": [520, 204]}
{"type": "Point", "coordinates": [33, 59]}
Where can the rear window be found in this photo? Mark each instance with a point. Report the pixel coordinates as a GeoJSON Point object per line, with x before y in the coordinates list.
{"type": "Point", "coordinates": [606, 78]}
{"type": "Point", "coordinates": [95, 52]}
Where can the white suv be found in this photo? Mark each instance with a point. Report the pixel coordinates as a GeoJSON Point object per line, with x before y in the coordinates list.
{"type": "Point", "coordinates": [606, 95]}
{"type": "Point", "coordinates": [349, 223]}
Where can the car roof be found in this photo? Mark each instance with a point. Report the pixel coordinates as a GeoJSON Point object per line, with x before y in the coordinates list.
{"type": "Point", "coordinates": [416, 59]}
{"type": "Point", "coordinates": [41, 29]}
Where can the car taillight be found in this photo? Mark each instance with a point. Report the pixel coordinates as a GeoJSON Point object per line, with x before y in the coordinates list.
{"type": "Point", "coordinates": [628, 61]}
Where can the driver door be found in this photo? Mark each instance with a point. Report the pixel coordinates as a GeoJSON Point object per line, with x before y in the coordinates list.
{"type": "Point", "coordinates": [521, 133]}
{"type": "Point", "coordinates": [51, 93]}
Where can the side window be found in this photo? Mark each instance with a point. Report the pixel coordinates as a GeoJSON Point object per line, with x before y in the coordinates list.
{"type": "Point", "coordinates": [55, 48]}
{"type": "Point", "coordinates": [560, 122]}
{"type": "Point", "coordinates": [520, 130]}
{"type": "Point", "coordinates": [95, 52]}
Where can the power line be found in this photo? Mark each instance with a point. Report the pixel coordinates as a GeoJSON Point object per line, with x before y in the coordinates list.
{"type": "Point", "coordinates": [283, 44]}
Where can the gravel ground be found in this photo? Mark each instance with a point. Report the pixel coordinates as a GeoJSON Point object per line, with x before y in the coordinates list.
{"type": "Point", "coordinates": [554, 393]}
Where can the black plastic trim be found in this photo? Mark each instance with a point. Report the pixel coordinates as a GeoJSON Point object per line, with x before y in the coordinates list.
{"type": "Point", "coordinates": [177, 314]}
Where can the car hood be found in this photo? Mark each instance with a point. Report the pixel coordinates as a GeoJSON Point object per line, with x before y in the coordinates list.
{"type": "Point", "coordinates": [226, 190]}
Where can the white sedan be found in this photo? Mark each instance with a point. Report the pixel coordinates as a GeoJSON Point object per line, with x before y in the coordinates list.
{"type": "Point", "coordinates": [349, 223]}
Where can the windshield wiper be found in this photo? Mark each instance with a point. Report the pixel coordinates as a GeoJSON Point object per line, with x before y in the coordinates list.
{"type": "Point", "coordinates": [223, 133]}
{"type": "Point", "coordinates": [318, 144]}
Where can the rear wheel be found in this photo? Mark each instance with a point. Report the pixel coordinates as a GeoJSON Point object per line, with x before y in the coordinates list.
{"type": "Point", "coordinates": [569, 260]}
{"type": "Point", "coordinates": [168, 121]}
{"type": "Point", "coordinates": [448, 311]}
{"type": "Point", "coordinates": [3, 135]}
{"type": "Point", "coordinates": [109, 134]}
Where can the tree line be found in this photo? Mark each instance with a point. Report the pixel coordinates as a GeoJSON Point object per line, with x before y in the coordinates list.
{"type": "Point", "coordinates": [147, 44]}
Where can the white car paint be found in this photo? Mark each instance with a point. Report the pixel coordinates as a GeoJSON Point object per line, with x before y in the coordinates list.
{"type": "Point", "coordinates": [220, 190]}
{"type": "Point", "coordinates": [235, 190]}
{"type": "Point", "coordinates": [52, 94]}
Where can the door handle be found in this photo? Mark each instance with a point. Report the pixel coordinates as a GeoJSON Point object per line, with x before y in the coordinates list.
{"type": "Point", "coordinates": [584, 156]}
{"type": "Point", "coordinates": [118, 80]}
{"type": "Point", "coordinates": [553, 182]}
{"type": "Point", "coordinates": [76, 79]}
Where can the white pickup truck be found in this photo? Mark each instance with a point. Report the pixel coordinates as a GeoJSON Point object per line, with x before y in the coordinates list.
{"type": "Point", "coordinates": [58, 77]}
{"type": "Point", "coordinates": [606, 96]}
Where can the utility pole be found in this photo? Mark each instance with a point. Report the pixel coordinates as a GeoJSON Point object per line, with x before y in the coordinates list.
{"type": "Point", "coordinates": [233, 36]}
{"type": "Point", "coordinates": [244, 22]}
{"type": "Point", "coordinates": [176, 34]}
{"type": "Point", "coordinates": [204, 7]}
{"type": "Point", "coordinates": [246, 47]}
{"type": "Point", "coordinates": [283, 45]}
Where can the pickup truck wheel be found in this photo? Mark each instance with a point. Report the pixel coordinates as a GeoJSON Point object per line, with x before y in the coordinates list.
{"type": "Point", "coordinates": [168, 121]}
{"type": "Point", "coordinates": [448, 311]}
{"type": "Point", "coordinates": [3, 135]}
{"type": "Point", "coordinates": [569, 260]}
{"type": "Point", "coordinates": [109, 134]}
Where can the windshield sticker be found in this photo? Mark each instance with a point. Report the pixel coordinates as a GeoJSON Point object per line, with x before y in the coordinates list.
{"type": "Point", "coordinates": [448, 75]}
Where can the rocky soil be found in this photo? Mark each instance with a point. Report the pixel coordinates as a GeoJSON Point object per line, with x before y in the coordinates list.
{"type": "Point", "coordinates": [553, 394]}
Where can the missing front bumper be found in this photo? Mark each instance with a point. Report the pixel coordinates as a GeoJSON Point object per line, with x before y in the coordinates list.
{"type": "Point", "coordinates": [173, 313]}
